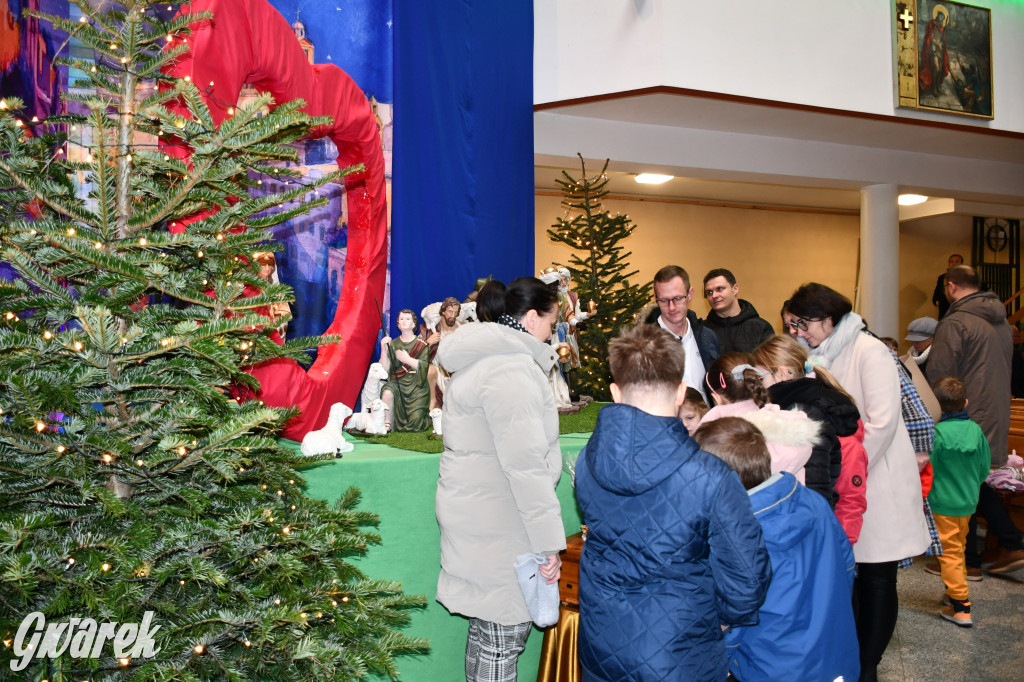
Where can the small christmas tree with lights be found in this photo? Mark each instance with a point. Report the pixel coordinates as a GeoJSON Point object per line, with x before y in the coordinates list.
{"type": "Point", "coordinates": [599, 265]}
{"type": "Point", "coordinates": [130, 482]}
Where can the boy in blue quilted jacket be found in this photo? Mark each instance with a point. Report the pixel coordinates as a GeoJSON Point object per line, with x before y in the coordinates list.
{"type": "Point", "coordinates": [806, 631]}
{"type": "Point", "coordinates": [673, 551]}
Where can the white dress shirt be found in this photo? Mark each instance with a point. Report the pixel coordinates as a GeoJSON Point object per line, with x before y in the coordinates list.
{"type": "Point", "coordinates": [694, 371]}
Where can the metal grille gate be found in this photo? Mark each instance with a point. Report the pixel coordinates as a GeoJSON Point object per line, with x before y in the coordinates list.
{"type": "Point", "coordinates": [995, 254]}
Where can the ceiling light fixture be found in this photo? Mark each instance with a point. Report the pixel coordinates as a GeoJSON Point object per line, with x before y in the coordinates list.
{"type": "Point", "coordinates": [911, 199]}
{"type": "Point", "coordinates": [652, 178]}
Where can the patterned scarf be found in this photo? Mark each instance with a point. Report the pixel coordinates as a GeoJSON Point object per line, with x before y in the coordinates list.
{"type": "Point", "coordinates": [510, 321]}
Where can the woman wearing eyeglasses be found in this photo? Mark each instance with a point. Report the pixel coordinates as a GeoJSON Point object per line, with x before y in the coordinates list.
{"type": "Point", "coordinates": [894, 524]}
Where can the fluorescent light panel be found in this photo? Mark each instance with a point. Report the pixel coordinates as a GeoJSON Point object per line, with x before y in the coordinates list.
{"type": "Point", "coordinates": [652, 178]}
{"type": "Point", "coordinates": [911, 199]}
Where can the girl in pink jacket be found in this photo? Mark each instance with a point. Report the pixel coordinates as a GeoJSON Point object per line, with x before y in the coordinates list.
{"type": "Point", "coordinates": [736, 389]}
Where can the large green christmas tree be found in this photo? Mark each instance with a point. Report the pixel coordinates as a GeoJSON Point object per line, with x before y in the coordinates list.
{"type": "Point", "coordinates": [130, 482]}
{"type": "Point", "coordinates": [600, 269]}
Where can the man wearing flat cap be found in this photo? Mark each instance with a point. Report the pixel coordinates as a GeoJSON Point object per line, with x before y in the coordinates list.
{"type": "Point", "coordinates": [920, 333]}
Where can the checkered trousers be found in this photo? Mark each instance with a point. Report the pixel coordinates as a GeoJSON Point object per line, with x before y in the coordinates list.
{"type": "Point", "coordinates": [492, 650]}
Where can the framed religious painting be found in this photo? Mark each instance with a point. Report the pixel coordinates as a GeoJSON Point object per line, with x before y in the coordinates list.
{"type": "Point", "coordinates": [944, 57]}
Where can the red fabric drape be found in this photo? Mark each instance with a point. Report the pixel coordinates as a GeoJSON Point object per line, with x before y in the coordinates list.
{"type": "Point", "coordinates": [248, 41]}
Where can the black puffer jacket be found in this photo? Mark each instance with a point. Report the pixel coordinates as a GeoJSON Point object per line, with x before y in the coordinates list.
{"type": "Point", "coordinates": [838, 416]}
{"type": "Point", "coordinates": [740, 333]}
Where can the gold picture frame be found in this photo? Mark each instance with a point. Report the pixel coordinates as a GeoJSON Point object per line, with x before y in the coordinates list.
{"type": "Point", "coordinates": [944, 57]}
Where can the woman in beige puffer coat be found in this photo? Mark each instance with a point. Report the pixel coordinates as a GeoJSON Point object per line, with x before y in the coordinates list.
{"type": "Point", "coordinates": [501, 462]}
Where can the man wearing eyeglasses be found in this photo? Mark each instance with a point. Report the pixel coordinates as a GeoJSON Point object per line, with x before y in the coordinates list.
{"type": "Point", "coordinates": [735, 321]}
{"type": "Point", "coordinates": [973, 342]}
{"type": "Point", "coordinates": [673, 293]}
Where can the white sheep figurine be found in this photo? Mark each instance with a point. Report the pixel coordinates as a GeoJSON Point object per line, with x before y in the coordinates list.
{"type": "Point", "coordinates": [372, 422]}
{"type": "Point", "coordinates": [435, 417]}
{"type": "Point", "coordinates": [431, 315]}
{"type": "Point", "coordinates": [467, 313]}
{"type": "Point", "coordinates": [330, 438]}
{"type": "Point", "coordinates": [375, 378]}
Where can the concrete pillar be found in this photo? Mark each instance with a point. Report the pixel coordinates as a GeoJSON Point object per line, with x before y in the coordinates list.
{"type": "Point", "coordinates": [879, 285]}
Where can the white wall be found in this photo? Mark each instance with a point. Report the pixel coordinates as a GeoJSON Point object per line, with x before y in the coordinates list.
{"type": "Point", "coordinates": [925, 247]}
{"type": "Point", "coordinates": [771, 252]}
{"type": "Point", "coordinates": [823, 53]}
{"type": "Point", "coordinates": [760, 158]}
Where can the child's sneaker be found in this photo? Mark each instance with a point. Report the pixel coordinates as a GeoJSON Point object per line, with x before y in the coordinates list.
{"type": "Point", "coordinates": [958, 612]}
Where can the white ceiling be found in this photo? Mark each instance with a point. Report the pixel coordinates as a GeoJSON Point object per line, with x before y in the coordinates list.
{"type": "Point", "coordinates": [972, 138]}
{"type": "Point", "coordinates": [700, 190]}
{"type": "Point", "coordinates": [735, 150]}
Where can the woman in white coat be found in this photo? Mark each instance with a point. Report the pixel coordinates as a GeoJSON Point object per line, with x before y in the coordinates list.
{"type": "Point", "coordinates": [894, 523]}
{"type": "Point", "coordinates": [496, 494]}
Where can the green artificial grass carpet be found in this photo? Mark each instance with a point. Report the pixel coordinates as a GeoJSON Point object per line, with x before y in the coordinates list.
{"type": "Point", "coordinates": [581, 422]}
{"type": "Point", "coordinates": [416, 442]}
{"type": "Point", "coordinates": [400, 488]}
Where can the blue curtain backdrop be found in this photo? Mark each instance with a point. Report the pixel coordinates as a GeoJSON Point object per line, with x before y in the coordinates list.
{"type": "Point", "coordinates": [463, 180]}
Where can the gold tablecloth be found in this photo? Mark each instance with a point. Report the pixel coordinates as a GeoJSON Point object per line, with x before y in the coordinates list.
{"type": "Point", "coordinates": [558, 659]}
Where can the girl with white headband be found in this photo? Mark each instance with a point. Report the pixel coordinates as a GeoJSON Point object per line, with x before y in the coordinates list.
{"type": "Point", "coordinates": [736, 389]}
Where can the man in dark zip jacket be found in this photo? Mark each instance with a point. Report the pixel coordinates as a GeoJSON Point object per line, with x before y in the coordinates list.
{"type": "Point", "coordinates": [736, 323]}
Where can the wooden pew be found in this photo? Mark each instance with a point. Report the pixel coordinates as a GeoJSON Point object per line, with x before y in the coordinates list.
{"type": "Point", "coordinates": [1013, 501]}
{"type": "Point", "coordinates": [1016, 441]}
{"type": "Point", "coordinates": [1017, 426]}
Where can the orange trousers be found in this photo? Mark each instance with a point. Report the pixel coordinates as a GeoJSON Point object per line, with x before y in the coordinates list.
{"type": "Point", "coordinates": [953, 534]}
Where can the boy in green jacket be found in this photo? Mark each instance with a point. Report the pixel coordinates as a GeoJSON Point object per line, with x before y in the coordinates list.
{"type": "Point", "coordinates": [960, 461]}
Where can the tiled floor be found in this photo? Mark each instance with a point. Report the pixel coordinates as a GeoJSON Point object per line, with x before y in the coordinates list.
{"type": "Point", "coordinates": [926, 648]}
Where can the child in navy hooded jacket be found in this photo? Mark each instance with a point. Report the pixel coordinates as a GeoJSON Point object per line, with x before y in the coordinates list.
{"type": "Point", "coordinates": [673, 551]}
{"type": "Point", "coordinates": [806, 631]}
